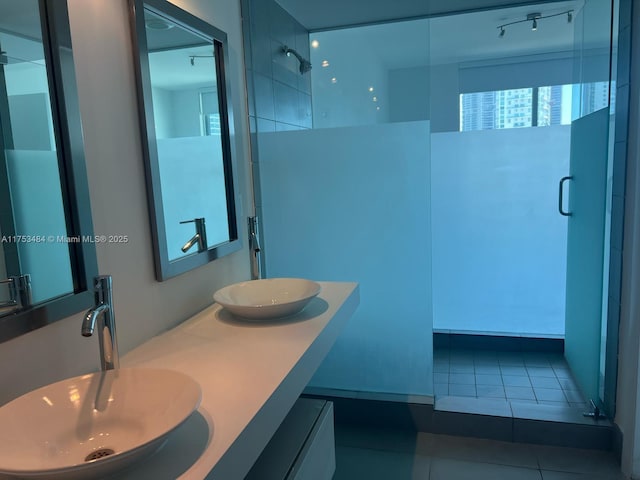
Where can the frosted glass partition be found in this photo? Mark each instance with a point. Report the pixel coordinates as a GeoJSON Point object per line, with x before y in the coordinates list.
{"type": "Point", "coordinates": [499, 243]}
{"type": "Point", "coordinates": [352, 204]}
{"type": "Point", "coordinates": [47, 257]}
{"type": "Point", "coordinates": [192, 182]}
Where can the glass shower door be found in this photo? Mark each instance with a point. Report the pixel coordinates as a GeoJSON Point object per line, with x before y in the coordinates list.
{"type": "Point", "coordinates": [585, 248]}
{"type": "Point", "coordinates": [587, 241]}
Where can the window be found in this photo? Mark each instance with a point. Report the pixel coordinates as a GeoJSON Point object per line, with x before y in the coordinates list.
{"type": "Point", "coordinates": [529, 107]}
{"type": "Point", "coordinates": [209, 112]}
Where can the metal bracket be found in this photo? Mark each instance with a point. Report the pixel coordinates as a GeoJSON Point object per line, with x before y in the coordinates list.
{"type": "Point", "coordinates": [595, 412]}
{"type": "Point", "coordinates": [19, 291]}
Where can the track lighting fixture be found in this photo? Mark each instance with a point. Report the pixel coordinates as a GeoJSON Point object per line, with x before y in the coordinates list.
{"type": "Point", "coordinates": [192, 58]}
{"type": "Point", "coordinates": [533, 18]}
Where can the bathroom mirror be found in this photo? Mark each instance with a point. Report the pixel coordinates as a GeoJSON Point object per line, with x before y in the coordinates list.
{"type": "Point", "coordinates": [47, 259]}
{"type": "Point", "coordinates": [186, 124]}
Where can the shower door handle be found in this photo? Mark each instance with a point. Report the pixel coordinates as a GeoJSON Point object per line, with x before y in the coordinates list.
{"type": "Point", "coordinates": [561, 196]}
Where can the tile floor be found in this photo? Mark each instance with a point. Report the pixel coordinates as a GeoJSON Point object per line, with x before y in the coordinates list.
{"type": "Point", "coordinates": [542, 378]}
{"type": "Point", "coordinates": [376, 454]}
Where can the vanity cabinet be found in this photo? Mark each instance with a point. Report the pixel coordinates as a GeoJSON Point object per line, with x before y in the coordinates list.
{"type": "Point", "coordinates": [303, 447]}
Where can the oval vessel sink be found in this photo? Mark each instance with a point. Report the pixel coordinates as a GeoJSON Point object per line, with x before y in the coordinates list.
{"type": "Point", "coordinates": [90, 426]}
{"type": "Point", "coordinates": [267, 299]}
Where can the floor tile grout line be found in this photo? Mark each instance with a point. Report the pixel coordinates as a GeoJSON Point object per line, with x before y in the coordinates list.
{"type": "Point", "coordinates": [466, 361]}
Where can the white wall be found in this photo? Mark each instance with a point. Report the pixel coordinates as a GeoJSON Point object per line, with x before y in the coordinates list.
{"type": "Point", "coordinates": [628, 387]}
{"type": "Point", "coordinates": [409, 94]}
{"type": "Point", "coordinates": [144, 307]}
{"type": "Point", "coordinates": [185, 109]}
{"type": "Point", "coordinates": [176, 113]}
{"type": "Point", "coordinates": [445, 104]}
{"type": "Point", "coordinates": [162, 117]}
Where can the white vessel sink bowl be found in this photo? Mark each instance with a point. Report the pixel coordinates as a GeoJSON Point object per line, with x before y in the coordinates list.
{"type": "Point", "coordinates": [267, 299]}
{"type": "Point", "coordinates": [90, 426]}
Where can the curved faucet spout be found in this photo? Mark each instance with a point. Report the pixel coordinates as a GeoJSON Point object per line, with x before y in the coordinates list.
{"type": "Point", "coordinates": [104, 315]}
{"type": "Point", "coordinates": [89, 322]}
{"type": "Point", "coordinates": [199, 238]}
{"type": "Point", "coordinates": [192, 241]}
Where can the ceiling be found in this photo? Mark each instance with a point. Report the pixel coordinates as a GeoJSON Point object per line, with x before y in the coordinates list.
{"type": "Point", "coordinates": [20, 18]}
{"type": "Point", "coordinates": [328, 14]}
{"type": "Point", "coordinates": [20, 31]}
{"type": "Point", "coordinates": [460, 38]}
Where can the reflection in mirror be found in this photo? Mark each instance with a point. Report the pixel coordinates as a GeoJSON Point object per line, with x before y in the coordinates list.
{"type": "Point", "coordinates": [186, 124]}
{"type": "Point", "coordinates": [44, 207]}
{"type": "Point", "coordinates": [29, 231]}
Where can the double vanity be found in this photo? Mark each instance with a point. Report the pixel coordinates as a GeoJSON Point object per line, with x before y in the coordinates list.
{"type": "Point", "coordinates": [204, 399]}
{"type": "Point", "coordinates": [250, 374]}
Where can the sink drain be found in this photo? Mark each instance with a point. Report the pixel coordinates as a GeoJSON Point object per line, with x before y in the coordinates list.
{"type": "Point", "coordinates": [97, 454]}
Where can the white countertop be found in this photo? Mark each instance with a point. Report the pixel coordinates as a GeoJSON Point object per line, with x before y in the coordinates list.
{"type": "Point", "coordinates": [251, 375]}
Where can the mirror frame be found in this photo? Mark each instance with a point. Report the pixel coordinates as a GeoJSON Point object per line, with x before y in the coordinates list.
{"type": "Point", "coordinates": [56, 38]}
{"type": "Point", "coordinates": [164, 267]}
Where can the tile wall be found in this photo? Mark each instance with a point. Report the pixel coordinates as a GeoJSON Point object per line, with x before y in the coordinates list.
{"type": "Point", "coordinates": [279, 96]}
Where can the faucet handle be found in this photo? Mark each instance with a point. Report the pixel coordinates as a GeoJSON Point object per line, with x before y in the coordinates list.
{"type": "Point", "coordinates": [102, 286]}
{"type": "Point", "coordinates": [199, 220]}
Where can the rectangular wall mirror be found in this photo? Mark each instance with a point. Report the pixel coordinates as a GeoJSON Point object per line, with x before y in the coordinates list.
{"type": "Point", "coordinates": [186, 126]}
{"type": "Point", "coordinates": [46, 258]}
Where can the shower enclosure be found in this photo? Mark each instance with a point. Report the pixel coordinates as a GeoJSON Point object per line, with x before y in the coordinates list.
{"type": "Point", "coordinates": [430, 176]}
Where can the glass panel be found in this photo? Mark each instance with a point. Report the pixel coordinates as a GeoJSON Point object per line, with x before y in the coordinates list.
{"type": "Point", "coordinates": [590, 193]}
{"type": "Point", "coordinates": [349, 201]}
{"type": "Point", "coordinates": [585, 248]}
{"type": "Point", "coordinates": [499, 244]}
{"type": "Point", "coordinates": [333, 215]}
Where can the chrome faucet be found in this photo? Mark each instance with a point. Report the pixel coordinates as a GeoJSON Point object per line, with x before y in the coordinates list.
{"type": "Point", "coordinates": [103, 311]}
{"type": "Point", "coordinates": [200, 237]}
{"type": "Point", "coordinates": [191, 242]}
{"type": "Point", "coordinates": [254, 248]}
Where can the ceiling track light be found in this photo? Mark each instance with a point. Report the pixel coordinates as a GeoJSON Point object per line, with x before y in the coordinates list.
{"type": "Point", "coordinates": [533, 18]}
{"type": "Point", "coordinates": [192, 58]}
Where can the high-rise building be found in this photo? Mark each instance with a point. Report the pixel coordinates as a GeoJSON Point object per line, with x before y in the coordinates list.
{"type": "Point", "coordinates": [477, 111]}
{"type": "Point", "coordinates": [515, 108]}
